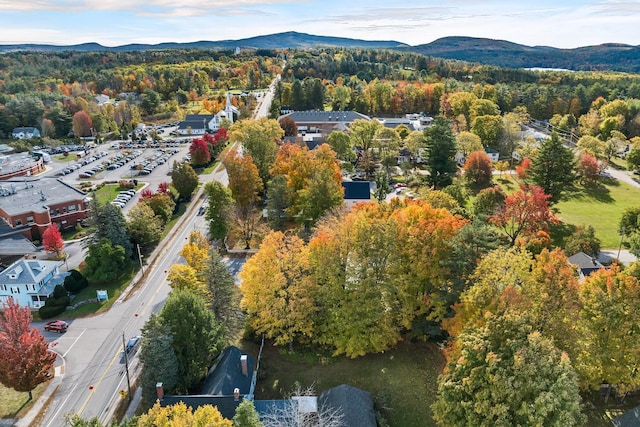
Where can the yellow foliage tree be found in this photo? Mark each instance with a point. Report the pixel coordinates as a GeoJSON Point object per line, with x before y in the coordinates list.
{"type": "Point", "coordinates": [182, 415]}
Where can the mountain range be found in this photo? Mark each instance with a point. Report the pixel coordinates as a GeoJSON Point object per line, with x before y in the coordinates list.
{"type": "Point", "coordinates": [614, 57]}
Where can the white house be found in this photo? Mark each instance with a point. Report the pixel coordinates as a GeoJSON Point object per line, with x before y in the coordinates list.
{"type": "Point", "coordinates": [199, 124]}
{"type": "Point", "coordinates": [227, 113]}
{"type": "Point", "coordinates": [25, 133]}
{"type": "Point", "coordinates": [30, 281]}
{"type": "Point", "coordinates": [102, 99]}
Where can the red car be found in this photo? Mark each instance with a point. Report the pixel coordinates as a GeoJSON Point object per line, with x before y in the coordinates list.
{"type": "Point", "coordinates": [56, 326]}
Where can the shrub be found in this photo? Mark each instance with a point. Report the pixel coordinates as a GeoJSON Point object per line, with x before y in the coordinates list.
{"type": "Point", "coordinates": [75, 282]}
{"type": "Point", "coordinates": [49, 311]}
{"type": "Point", "coordinates": [126, 184]}
{"type": "Point", "coordinates": [59, 292]}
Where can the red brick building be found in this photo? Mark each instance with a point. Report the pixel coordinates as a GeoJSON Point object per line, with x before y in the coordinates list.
{"type": "Point", "coordinates": [28, 206]}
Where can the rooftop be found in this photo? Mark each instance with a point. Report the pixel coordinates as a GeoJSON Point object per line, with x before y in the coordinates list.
{"type": "Point", "coordinates": [35, 195]}
{"type": "Point", "coordinates": [325, 116]}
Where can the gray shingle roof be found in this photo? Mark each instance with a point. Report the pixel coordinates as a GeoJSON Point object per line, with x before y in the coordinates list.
{"type": "Point", "coordinates": [587, 264]}
{"type": "Point", "coordinates": [356, 405]}
{"type": "Point", "coordinates": [27, 272]}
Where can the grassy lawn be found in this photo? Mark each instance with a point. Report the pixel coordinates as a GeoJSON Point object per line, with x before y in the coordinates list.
{"type": "Point", "coordinates": [600, 206]}
{"type": "Point", "coordinates": [109, 192]}
{"type": "Point", "coordinates": [14, 404]}
{"type": "Point", "coordinates": [63, 158]}
{"type": "Point", "coordinates": [114, 289]}
{"type": "Point", "coordinates": [402, 381]}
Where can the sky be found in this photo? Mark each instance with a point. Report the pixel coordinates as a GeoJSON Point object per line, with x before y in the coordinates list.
{"type": "Point", "coordinates": [560, 23]}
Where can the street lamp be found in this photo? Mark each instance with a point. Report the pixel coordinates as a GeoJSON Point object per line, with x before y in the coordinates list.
{"type": "Point", "coordinates": [126, 365]}
{"type": "Point", "coordinates": [140, 259]}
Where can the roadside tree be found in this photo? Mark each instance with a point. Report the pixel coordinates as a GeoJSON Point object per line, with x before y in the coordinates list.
{"type": "Point", "coordinates": [25, 358]}
{"type": "Point", "coordinates": [553, 167]}
{"type": "Point", "coordinates": [478, 169]}
{"type": "Point", "coordinates": [197, 337]}
{"type": "Point", "coordinates": [219, 209]}
{"type": "Point", "coordinates": [184, 179]}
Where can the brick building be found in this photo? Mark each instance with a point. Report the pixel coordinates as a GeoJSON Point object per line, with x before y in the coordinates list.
{"type": "Point", "coordinates": [29, 206]}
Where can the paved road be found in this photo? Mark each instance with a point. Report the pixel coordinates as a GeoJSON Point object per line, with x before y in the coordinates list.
{"type": "Point", "coordinates": [90, 375]}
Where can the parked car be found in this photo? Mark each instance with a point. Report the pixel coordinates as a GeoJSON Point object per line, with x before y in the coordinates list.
{"type": "Point", "coordinates": [56, 326]}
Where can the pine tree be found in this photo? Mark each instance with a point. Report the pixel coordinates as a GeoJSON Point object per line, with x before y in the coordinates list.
{"type": "Point", "coordinates": [553, 167]}
{"type": "Point", "coordinates": [441, 149]}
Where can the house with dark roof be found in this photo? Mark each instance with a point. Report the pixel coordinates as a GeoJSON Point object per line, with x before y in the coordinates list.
{"type": "Point", "coordinates": [25, 133]}
{"type": "Point", "coordinates": [585, 264]}
{"type": "Point", "coordinates": [356, 192]}
{"type": "Point", "coordinates": [194, 124]}
{"type": "Point", "coordinates": [30, 282]}
{"type": "Point", "coordinates": [355, 404]}
{"type": "Point", "coordinates": [628, 419]}
{"type": "Point", "coordinates": [228, 381]}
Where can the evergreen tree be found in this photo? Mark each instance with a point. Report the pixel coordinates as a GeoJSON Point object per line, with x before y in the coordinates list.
{"type": "Point", "coordinates": [224, 295]}
{"type": "Point", "coordinates": [441, 149]}
{"type": "Point", "coordinates": [159, 362]}
{"type": "Point", "coordinates": [219, 209]}
{"type": "Point", "coordinates": [553, 167]}
{"type": "Point", "coordinates": [111, 225]}
{"type": "Point", "coordinates": [298, 101]}
{"type": "Point", "coordinates": [197, 337]}
{"type": "Point", "coordinates": [278, 201]}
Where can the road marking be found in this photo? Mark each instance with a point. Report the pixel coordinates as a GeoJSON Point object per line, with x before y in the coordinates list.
{"type": "Point", "coordinates": [74, 343]}
{"type": "Point", "coordinates": [95, 386]}
{"type": "Point", "coordinates": [55, 415]}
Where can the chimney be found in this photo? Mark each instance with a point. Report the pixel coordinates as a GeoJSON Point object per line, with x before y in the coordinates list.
{"type": "Point", "coordinates": [243, 365]}
{"type": "Point", "coordinates": [159, 391]}
{"type": "Point", "coordinates": [236, 394]}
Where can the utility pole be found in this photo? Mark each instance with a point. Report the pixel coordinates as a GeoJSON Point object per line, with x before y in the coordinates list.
{"type": "Point", "coordinates": [140, 259]}
{"type": "Point", "coordinates": [126, 366]}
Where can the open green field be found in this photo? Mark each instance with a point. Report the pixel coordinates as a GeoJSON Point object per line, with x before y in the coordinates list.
{"type": "Point", "coordinates": [600, 206]}
{"type": "Point", "coordinates": [402, 381]}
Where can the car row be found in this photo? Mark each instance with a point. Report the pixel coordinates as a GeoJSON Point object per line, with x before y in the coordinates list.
{"type": "Point", "coordinates": [123, 198]}
{"type": "Point", "coordinates": [160, 158]}
{"type": "Point", "coordinates": [83, 162]}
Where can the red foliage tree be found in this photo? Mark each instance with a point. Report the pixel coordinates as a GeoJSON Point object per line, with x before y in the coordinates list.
{"type": "Point", "coordinates": [146, 194]}
{"type": "Point", "coordinates": [289, 126]}
{"type": "Point", "coordinates": [221, 137]}
{"type": "Point", "coordinates": [52, 240]}
{"type": "Point", "coordinates": [200, 154]}
{"type": "Point", "coordinates": [81, 124]}
{"type": "Point", "coordinates": [478, 169]}
{"type": "Point", "coordinates": [163, 188]}
{"type": "Point", "coordinates": [522, 170]}
{"type": "Point", "coordinates": [588, 169]}
{"type": "Point", "coordinates": [524, 213]}
{"type": "Point", "coordinates": [25, 359]}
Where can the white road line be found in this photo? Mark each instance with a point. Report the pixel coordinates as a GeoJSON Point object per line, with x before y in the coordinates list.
{"type": "Point", "coordinates": [55, 415]}
{"type": "Point", "coordinates": [74, 343]}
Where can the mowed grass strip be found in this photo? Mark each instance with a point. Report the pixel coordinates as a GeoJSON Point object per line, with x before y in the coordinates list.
{"type": "Point", "coordinates": [14, 404]}
{"type": "Point", "coordinates": [402, 381]}
{"type": "Point", "coordinates": [600, 206]}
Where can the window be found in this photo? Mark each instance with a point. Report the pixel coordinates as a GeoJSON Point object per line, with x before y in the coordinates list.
{"type": "Point", "coordinates": [31, 288]}
{"type": "Point", "coordinates": [3, 288]}
{"type": "Point", "coordinates": [15, 290]}
{"type": "Point", "coordinates": [64, 210]}
{"type": "Point", "coordinates": [18, 222]}
{"type": "Point", "coordinates": [57, 211]}
{"type": "Point", "coordinates": [29, 219]}
{"type": "Point", "coordinates": [72, 208]}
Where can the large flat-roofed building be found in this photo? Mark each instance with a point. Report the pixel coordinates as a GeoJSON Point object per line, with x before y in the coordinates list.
{"type": "Point", "coordinates": [29, 206]}
{"type": "Point", "coordinates": [21, 164]}
{"type": "Point", "coordinates": [322, 123]}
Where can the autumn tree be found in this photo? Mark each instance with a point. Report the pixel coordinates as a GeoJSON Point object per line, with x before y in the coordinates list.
{"type": "Point", "coordinates": [180, 414]}
{"type": "Point", "coordinates": [81, 124]}
{"type": "Point", "coordinates": [52, 240]}
{"type": "Point", "coordinates": [522, 170]}
{"type": "Point", "coordinates": [289, 126]}
{"type": "Point", "coordinates": [245, 185]}
{"type": "Point", "coordinates": [25, 359]}
{"type": "Point", "coordinates": [200, 154]}
{"type": "Point", "coordinates": [489, 201]}
{"type": "Point", "coordinates": [608, 330]}
{"type": "Point", "coordinates": [478, 169]}
{"type": "Point", "coordinates": [525, 212]}
{"type": "Point", "coordinates": [259, 139]}
{"type": "Point", "coordinates": [246, 415]}
{"type": "Point", "coordinates": [441, 149]}
{"type": "Point", "coordinates": [588, 169]}
{"type": "Point", "coordinates": [553, 167]}
{"type": "Point", "coordinates": [363, 134]}
{"type": "Point", "coordinates": [197, 337]}
{"type": "Point", "coordinates": [219, 209]}
{"type": "Point", "coordinates": [277, 291]}
{"type": "Point", "coordinates": [507, 374]}
{"type": "Point", "coordinates": [184, 179]}
{"type": "Point", "coordinates": [467, 143]}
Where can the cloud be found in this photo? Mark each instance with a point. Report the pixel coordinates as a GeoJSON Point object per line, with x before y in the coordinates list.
{"type": "Point", "coordinates": [616, 8]}
{"type": "Point", "coordinates": [128, 5]}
